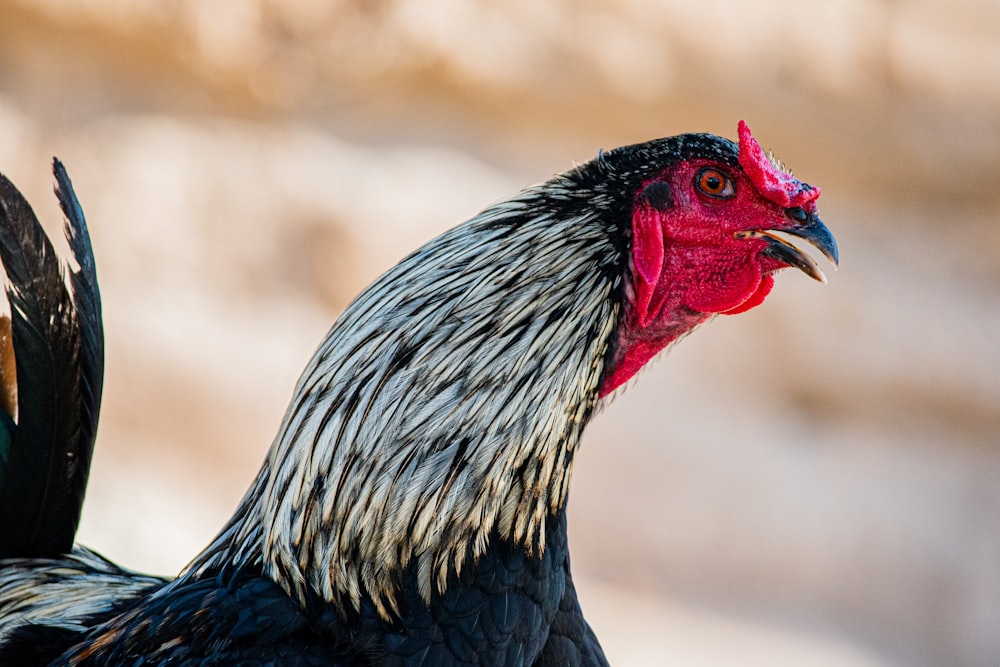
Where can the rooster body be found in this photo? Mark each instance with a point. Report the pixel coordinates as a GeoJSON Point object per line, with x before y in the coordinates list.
{"type": "Point", "coordinates": [411, 510]}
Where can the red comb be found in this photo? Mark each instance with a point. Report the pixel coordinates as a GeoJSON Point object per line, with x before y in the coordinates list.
{"type": "Point", "coordinates": [780, 187]}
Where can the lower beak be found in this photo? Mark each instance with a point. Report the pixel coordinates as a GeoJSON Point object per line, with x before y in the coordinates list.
{"type": "Point", "coordinates": [809, 228]}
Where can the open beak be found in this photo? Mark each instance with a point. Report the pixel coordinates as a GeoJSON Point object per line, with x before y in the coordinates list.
{"type": "Point", "coordinates": [807, 227]}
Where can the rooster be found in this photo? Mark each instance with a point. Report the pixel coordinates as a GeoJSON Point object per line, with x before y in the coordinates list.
{"type": "Point", "coordinates": [412, 507]}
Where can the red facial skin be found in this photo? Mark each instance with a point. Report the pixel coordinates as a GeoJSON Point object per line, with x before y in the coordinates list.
{"type": "Point", "coordinates": [688, 262]}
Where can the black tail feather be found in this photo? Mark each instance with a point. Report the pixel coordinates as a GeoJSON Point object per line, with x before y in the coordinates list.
{"type": "Point", "coordinates": [58, 349]}
{"type": "Point", "coordinates": [87, 302]}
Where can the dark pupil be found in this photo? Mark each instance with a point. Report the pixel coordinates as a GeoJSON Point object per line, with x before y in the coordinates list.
{"type": "Point", "coordinates": [713, 182]}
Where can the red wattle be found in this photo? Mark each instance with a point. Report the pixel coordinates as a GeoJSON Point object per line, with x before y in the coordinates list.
{"type": "Point", "coordinates": [757, 298]}
{"type": "Point", "coordinates": [726, 288]}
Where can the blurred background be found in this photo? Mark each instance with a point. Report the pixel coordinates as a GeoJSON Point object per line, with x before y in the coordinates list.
{"type": "Point", "coordinates": [816, 482]}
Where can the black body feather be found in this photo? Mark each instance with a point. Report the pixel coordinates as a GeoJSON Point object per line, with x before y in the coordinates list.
{"type": "Point", "coordinates": [509, 608]}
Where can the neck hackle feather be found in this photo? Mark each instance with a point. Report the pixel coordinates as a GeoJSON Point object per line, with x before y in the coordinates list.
{"type": "Point", "coordinates": [445, 404]}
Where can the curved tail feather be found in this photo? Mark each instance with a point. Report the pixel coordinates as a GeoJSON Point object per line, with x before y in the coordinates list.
{"type": "Point", "coordinates": [59, 356]}
{"type": "Point", "coordinates": [87, 301]}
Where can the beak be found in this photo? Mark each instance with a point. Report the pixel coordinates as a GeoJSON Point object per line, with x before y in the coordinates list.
{"type": "Point", "coordinates": [807, 227]}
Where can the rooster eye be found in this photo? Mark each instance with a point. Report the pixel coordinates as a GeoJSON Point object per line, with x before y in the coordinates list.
{"type": "Point", "coordinates": [714, 183]}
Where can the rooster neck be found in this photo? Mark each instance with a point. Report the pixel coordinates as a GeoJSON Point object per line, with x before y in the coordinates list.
{"type": "Point", "coordinates": [442, 410]}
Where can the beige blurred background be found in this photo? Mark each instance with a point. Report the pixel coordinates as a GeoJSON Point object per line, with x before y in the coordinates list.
{"type": "Point", "coordinates": [816, 482]}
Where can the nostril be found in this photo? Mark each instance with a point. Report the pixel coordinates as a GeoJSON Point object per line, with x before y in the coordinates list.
{"type": "Point", "coordinates": [797, 213]}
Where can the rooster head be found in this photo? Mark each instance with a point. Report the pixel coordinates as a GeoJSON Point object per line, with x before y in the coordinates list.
{"type": "Point", "coordinates": [708, 233]}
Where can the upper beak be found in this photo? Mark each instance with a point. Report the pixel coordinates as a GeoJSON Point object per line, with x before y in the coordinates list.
{"type": "Point", "coordinates": [805, 226]}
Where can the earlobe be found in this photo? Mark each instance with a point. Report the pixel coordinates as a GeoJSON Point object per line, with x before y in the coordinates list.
{"type": "Point", "coordinates": [647, 258]}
